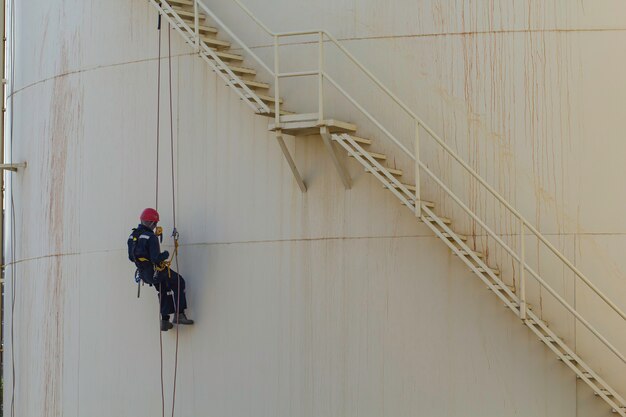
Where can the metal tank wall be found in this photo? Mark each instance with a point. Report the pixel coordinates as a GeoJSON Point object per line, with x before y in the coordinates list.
{"type": "Point", "coordinates": [331, 302]}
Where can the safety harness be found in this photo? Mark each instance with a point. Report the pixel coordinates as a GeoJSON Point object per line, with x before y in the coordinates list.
{"type": "Point", "coordinates": [132, 242]}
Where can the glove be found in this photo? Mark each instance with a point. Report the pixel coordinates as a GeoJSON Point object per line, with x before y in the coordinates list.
{"type": "Point", "coordinates": [163, 257]}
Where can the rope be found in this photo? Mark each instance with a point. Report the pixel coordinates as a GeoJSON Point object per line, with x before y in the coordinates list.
{"type": "Point", "coordinates": [175, 231]}
{"type": "Point", "coordinates": [158, 118]}
{"type": "Point", "coordinates": [174, 257]}
{"type": "Point", "coordinates": [156, 206]}
{"type": "Point", "coordinates": [169, 41]}
{"type": "Point", "coordinates": [13, 222]}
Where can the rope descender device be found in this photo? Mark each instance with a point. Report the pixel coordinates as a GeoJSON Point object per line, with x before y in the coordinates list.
{"type": "Point", "coordinates": [175, 236]}
{"type": "Point", "coordinates": [167, 264]}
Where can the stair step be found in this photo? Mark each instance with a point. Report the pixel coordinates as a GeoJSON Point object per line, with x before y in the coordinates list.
{"type": "Point", "coordinates": [241, 70]}
{"type": "Point", "coordinates": [430, 219]}
{"type": "Point", "coordinates": [227, 56]}
{"type": "Point", "coordinates": [267, 99]}
{"type": "Point", "coordinates": [495, 271]}
{"type": "Point", "coordinates": [411, 187]}
{"type": "Point", "coordinates": [256, 84]}
{"type": "Point", "coordinates": [428, 204]}
{"type": "Point", "coordinates": [587, 375]}
{"type": "Point", "coordinates": [567, 358]}
{"type": "Point", "coordinates": [500, 286]}
{"type": "Point", "coordinates": [528, 307]}
{"type": "Point", "coordinates": [392, 171]}
{"type": "Point", "coordinates": [465, 253]}
{"type": "Point", "coordinates": [460, 237]}
{"type": "Point", "coordinates": [310, 118]}
{"type": "Point", "coordinates": [212, 42]}
{"type": "Point", "coordinates": [613, 410]}
{"type": "Point", "coordinates": [188, 15]}
{"type": "Point", "coordinates": [361, 140]}
{"type": "Point", "coordinates": [374, 155]}
{"type": "Point", "coordinates": [532, 321]}
{"type": "Point", "coordinates": [408, 187]}
{"type": "Point", "coordinates": [203, 29]}
{"type": "Point", "coordinates": [604, 391]}
{"type": "Point", "coordinates": [180, 2]}
{"type": "Point", "coordinates": [272, 114]}
{"type": "Point", "coordinates": [550, 339]}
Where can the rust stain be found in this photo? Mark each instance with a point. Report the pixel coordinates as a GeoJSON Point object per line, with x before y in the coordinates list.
{"type": "Point", "coordinates": [494, 117]}
{"type": "Point", "coordinates": [63, 130]}
{"type": "Point", "coordinates": [549, 125]}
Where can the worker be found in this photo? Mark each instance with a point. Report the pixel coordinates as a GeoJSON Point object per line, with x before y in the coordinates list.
{"type": "Point", "coordinates": [153, 269]}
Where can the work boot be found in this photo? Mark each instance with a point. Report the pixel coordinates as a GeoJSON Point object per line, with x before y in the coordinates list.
{"type": "Point", "coordinates": [166, 325]}
{"type": "Point", "coordinates": [182, 319]}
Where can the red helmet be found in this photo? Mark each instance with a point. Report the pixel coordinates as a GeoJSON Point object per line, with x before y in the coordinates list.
{"type": "Point", "coordinates": [149, 215]}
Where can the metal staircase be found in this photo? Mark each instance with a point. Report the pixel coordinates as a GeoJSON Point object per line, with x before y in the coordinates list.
{"type": "Point", "coordinates": [190, 19]}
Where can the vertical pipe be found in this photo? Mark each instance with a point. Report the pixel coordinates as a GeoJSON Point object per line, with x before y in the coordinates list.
{"type": "Point", "coordinates": [522, 272]}
{"type": "Point", "coordinates": [418, 200]}
{"type": "Point", "coordinates": [320, 78]}
{"type": "Point", "coordinates": [196, 21]}
{"type": "Point", "coordinates": [276, 84]}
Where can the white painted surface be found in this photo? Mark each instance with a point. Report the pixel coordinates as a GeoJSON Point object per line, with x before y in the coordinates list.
{"type": "Point", "coordinates": [334, 302]}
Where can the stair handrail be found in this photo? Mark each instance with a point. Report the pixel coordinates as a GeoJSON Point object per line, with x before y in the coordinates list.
{"type": "Point", "coordinates": [420, 123]}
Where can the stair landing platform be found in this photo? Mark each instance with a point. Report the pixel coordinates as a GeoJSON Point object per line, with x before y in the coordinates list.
{"type": "Point", "coordinates": [312, 127]}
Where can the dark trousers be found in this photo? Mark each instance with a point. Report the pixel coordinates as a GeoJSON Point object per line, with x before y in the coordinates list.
{"type": "Point", "coordinates": [171, 291]}
{"type": "Point", "coordinates": [170, 288]}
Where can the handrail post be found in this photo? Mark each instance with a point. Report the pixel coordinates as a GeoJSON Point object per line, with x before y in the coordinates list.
{"type": "Point", "coordinates": [418, 200]}
{"type": "Point", "coordinates": [320, 80]}
{"type": "Point", "coordinates": [523, 310]}
{"type": "Point", "coordinates": [276, 84]}
{"type": "Point", "coordinates": [196, 22]}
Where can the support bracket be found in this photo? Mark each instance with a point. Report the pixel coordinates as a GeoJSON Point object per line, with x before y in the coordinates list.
{"type": "Point", "coordinates": [338, 161]}
{"type": "Point", "coordinates": [12, 167]}
{"type": "Point", "coordinates": [290, 161]}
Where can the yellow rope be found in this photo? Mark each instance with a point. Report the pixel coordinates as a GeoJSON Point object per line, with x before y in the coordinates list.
{"type": "Point", "coordinates": [168, 263]}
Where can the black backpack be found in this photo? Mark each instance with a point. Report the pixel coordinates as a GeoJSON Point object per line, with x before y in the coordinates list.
{"type": "Point", "coordinates": [132, 245]}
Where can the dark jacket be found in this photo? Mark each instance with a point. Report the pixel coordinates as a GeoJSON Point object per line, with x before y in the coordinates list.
{"type": "Point", "coordinates": [148, 252]}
